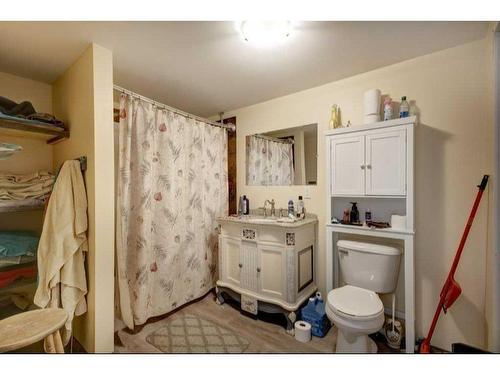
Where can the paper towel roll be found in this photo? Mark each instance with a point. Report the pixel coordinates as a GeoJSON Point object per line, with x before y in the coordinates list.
{"type": "Point", "coordinates": [372, 102]}
{"type": "Point", "coordinates": [302, 331]}
{"type": "Point", "coordinates": [370, 119]}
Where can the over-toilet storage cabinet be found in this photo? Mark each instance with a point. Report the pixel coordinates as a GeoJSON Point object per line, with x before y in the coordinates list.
{"type": "Point", "coordinates": [370, 163]}
{"type": "Point", "coordinates": [373, 163]}
{"type": "Point", "coordinates": [267, 267]}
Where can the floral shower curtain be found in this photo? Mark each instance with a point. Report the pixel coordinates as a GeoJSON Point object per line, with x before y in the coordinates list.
{"type": "Point", "coordinates": [172, 185]}
{"type": "Point", "coordinates": [269, 162]}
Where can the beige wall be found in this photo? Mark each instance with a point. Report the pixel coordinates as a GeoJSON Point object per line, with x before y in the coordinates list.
{"type": "Point", "coordinates": [452, 91]}
{"type": "Point", "coordinates": [83, 98]}
{"type": "Point", "coordinates": [493, 260]}
{"type": "Point", "coordinates": [36, 154]}
{"type": "Point", "coordinates": [104, 199]}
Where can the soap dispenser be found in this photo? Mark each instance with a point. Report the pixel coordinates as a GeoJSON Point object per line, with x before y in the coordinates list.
{"type": "Point", "coordinates": [354, 213]}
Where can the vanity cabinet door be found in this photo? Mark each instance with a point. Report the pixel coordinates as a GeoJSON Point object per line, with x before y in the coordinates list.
{"type": "Point", "coordinates": [249, 266]}
{"type": "Point", "coordinates": [348, 165]}
{"type": "Point", "coordinates": [231, 261]}
{"type": "Point", "coordinates": [271, 272]}
{"type": "Point", "coordinates": [386, 162]}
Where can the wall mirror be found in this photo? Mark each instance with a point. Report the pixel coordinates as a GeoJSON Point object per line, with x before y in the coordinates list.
{"type": "Point", "coordinates": [283, 157]}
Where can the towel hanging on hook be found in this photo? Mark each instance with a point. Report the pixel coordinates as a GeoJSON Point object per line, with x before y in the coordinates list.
{"type": "Point", "coordinates": [83, 166]}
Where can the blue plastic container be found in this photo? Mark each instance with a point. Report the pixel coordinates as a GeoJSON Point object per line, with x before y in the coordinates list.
{"type": "Point", "coordinates": [314, 314]}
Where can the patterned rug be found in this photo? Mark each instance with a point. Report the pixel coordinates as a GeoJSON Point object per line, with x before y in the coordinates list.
{"type": "Point", "coordinates": [191, 334]}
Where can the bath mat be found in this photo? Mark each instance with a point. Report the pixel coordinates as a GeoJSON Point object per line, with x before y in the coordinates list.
{"type": "Point", "coordinates": [191, 334]}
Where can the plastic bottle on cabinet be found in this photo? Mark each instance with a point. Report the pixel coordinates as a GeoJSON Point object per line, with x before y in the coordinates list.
{"type": "Point", "coordinates": [354, 217]}
{"type": "Point", "coordinates": [404, 108]}
{"type": "Point", "coordinates": [387, 109]}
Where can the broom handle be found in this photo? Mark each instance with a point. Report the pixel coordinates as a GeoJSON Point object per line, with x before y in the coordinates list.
{"type": "Point", "coordinates": [481, 187]}
{"type": "Point", "coordinates": [468, 226]}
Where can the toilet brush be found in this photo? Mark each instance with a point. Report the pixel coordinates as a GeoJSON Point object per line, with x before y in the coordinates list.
{"type": "Point", "coordinates": [393, 335]}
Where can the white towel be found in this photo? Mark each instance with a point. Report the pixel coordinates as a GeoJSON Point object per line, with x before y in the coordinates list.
{"type": "Point", "coordinates": [24, 186]}
{"type": "Point", "coordinates": [63, 243]}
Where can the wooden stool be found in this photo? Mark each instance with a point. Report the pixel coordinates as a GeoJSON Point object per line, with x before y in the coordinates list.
{"type": "Point", "coordinates": [21, 330]}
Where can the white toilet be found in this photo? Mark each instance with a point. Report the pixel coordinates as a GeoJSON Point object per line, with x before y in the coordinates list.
{"type": "Point", "coordinates": [355, 308]}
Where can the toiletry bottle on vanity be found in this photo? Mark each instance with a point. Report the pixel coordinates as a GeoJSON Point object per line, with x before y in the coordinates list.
{"type": "Point", "coordinates": [291, 211]}
{"type": "Point", "coordinates": [240, 206]}
{"type": "Point", "coordinates": [301, 211]}
{"type": "Point", "coordinates": [246, 205]}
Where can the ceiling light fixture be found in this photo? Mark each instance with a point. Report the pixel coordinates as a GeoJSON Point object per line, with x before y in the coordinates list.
{"type": "Point", "coordinates": [264, 33]}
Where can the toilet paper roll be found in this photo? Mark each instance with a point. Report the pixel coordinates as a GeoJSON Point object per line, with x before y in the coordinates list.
{"type": "Point", "coordinates": [370, 119]}
{"type": "Point", "coordinates": [302, 331]}
{"type": "Point", "coordinates": [398, 222]}
{"type": "Point", "coordinates": [372, 102]}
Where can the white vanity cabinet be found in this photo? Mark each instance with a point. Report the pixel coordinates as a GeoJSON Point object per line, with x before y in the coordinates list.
{"type": "Point", "coordinates": [267, 267]}
{"type": "Point", "coordinates": [369, 163]}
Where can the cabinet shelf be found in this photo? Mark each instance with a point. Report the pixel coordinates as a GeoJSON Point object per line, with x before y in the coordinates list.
{"type": "Point", "coordinates": [12, 209]}
{"type": "Point", "coordinates": [370, 196]}
{"type": "Point", "coordinates": [412, 120]}
{"type": "Point", "coordinates": [364, 229]}
{"type": "Point", "coordinates": [31, 128]}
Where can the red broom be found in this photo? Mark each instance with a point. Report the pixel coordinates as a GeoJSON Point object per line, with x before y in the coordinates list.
{"type": "Point", "coordinates": [451, 289]}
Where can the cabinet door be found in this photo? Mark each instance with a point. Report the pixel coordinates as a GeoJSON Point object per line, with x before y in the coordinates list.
{"type": "Point", "coordinates": [271, 275]}
{"type": "Point", "coordinates": [231, 261]}
{"type": "Point", "coordinates": [386, 162]}
{"type": "Point", "coordinates": [348, 163]}
{"type": "Point", "coordinates": [249, 262]}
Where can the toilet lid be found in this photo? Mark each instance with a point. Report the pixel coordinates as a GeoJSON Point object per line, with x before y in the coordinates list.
{"type": "Point", "coordinates": [355, 301]}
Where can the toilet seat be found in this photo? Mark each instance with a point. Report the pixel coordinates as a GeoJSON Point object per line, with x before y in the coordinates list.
{"type": "Point", "coordinates": [355, 303]}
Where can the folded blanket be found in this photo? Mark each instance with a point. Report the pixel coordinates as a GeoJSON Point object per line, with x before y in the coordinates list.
{"type": "Point", "coordinates": [46, 118]}
{"type": "Point", "coordinates": [17, 187]}
{"type": "Point", "coordinates": [12, 108]}
{"type": "Point", "coordinates": [17, 243]}
{"type": "Point", "coordinates": [16, 205]}
{"type": "Point", "coordinates": [9, 261]}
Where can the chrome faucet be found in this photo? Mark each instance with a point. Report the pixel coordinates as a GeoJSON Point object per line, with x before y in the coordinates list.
{"type": "Point", "coordinates": [273, 209]}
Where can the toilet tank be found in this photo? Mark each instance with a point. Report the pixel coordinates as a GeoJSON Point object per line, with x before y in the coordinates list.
{"type": "Point", "coordinates": [369, 266]}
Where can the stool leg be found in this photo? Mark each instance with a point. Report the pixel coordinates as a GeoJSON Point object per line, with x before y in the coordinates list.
{"type": "Point", "coordinates": [58, 342]}
{"type": "Point", "coordinates": [49, 345]}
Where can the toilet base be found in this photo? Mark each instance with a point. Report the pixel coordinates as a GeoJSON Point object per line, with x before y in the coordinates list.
{"type": "Point", "coordinates": [354, 343]}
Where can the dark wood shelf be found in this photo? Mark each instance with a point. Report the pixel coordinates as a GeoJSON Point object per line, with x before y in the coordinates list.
{"type": "Point", "coordinates": [12, 209]}
{"type": "Point", "coordinates": [26, 126]}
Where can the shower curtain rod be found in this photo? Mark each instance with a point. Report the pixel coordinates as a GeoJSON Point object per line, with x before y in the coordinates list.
{"type": "Point", "coordinates": [273, 139]}
{"type": "Point", "coordinates": [229, 127]}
